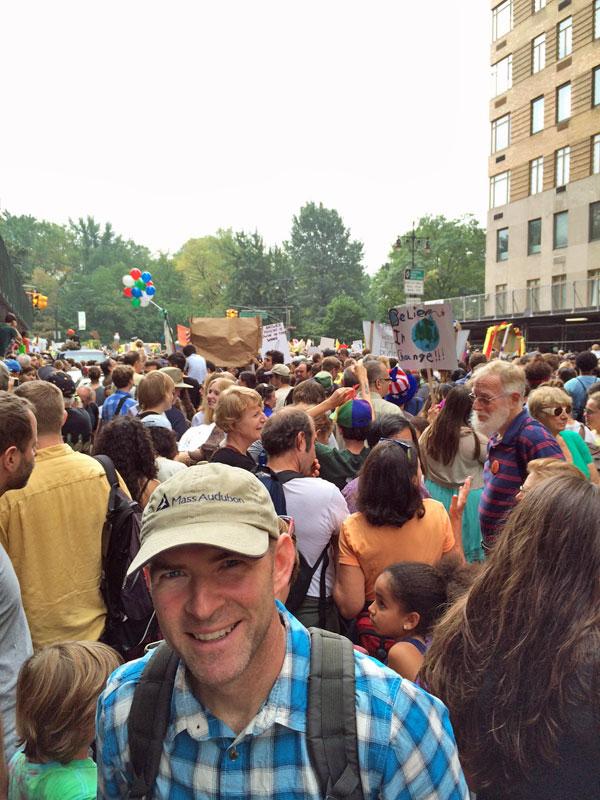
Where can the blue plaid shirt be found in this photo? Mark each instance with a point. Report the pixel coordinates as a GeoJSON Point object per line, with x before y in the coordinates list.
{"type": "Point", "coordinates": [405, 741]}
{"type": "Point", "coordinates": [109, 406]}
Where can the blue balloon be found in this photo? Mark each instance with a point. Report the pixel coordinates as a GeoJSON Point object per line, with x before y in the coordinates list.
{"type": "Point", "coordinates": [146, 276]}
{"type": "Point", "coordinates": [136, 292]}
{"type": "Point", "coordinates": [150, 290]}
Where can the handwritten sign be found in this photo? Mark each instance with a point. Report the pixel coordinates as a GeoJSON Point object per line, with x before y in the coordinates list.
{"type": "Point", "coordinates": [274, 338]}
{"type": "Point", "coordinates": [424, 336]}
{"type": "Point", "coordinates": [379, 338]}
{"type": "Point", "coordinates": [326, 343]}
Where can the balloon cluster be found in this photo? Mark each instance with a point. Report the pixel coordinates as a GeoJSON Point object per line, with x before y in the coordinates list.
{"type": "Point", "coordinates": [139, 287]}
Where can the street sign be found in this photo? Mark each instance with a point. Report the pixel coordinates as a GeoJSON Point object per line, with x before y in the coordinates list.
{"type": "Point", "coordinates": [415, 274]}
{"type": "Point", "coordinates": [254, 313]}
{"type": "Point", "coordinates": [81, 322]}
{"type": "Point", "coordinates": [414, 288]}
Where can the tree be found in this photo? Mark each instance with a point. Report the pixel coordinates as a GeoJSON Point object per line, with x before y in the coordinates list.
{"type": "Point", "coordinates": [202, 264]}
{"type": "Point", "coordinates": [454, 266]}
{"type": "Point", "coordinates": [343, 319]}
{"type": "Point", "coordinates": [325, 261]}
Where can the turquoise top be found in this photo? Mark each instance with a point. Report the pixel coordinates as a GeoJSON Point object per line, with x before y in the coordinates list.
{"type": "Point", "coordinates": [579, 450]}
{"type": "Point", "coordinates": [76, 780]}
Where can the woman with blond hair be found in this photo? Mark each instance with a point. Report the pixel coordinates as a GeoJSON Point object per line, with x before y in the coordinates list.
{"type": "Point", "coordinates": [240, 414]}
{"type": "Point", "coordinates": [552, 407]}
{"type": "Point", "coordinates": [210, 394]}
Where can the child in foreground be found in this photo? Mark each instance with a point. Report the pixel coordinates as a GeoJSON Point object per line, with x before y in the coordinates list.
{"type": "Point", "coordinates": [57, 691]}
{"type": "Point", "coordinates": [409, 599]}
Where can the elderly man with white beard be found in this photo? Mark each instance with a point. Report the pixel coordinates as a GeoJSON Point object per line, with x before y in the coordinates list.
{"type": "Point", "coordinates": [498, 393]}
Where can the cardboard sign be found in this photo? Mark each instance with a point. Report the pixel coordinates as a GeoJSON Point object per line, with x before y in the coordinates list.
{"type": "Point", "coordinates": [379, 338]}
{"type": "Point", "coordinates": [326, 343]}
{"type": "Point", "coordinates": [227, 341]}
{"type": "Point", "coordinates": [274, 338]}
{"type": "Point", "coordinates": [424, 336]}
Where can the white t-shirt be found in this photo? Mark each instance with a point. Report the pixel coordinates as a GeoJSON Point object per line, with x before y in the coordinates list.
{"type": "Point", "coordinates": [167, 468]}
{"type": "Point", "coordinates": [318, 508]}
{"type": "Point", "coordinates": [196, 367]}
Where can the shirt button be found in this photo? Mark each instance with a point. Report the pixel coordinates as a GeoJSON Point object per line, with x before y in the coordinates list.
{"type": "Point", "coordinates": [233, 754]}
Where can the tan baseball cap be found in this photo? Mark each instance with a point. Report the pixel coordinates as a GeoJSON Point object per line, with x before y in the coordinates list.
{"type": "Point", "coordinates": [212, 504]}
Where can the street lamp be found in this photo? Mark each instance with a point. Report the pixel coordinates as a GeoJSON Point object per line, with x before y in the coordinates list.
{"type": "Point", "coordinates": [414, 242]}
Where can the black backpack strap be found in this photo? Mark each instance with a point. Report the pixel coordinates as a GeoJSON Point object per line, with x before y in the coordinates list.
{"type": "Point", "coordinates": [288, 475]}
{"type": "Point", "coordinates": [149, 719]}
{"type": "Point", "coordinates": [331, 717]}
{"type": "Point", "coordinates": [120, 405]}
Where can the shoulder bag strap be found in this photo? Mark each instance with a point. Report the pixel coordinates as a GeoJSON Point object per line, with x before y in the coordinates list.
{"type": "Point", "coordinates": [331, 717]}
{"type": "Point", "coordinates": [149, 719]}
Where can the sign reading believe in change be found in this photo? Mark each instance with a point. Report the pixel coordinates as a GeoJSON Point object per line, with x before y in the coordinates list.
{"type": "Point", "coordinates": [424, 336]}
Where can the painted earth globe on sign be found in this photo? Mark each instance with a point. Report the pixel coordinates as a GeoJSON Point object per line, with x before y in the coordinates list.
{"type": "Point", "coordinates": [426, 335]}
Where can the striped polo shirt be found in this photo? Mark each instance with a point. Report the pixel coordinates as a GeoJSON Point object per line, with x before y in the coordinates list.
{"type": "Point", "coordinates": [506, 469]}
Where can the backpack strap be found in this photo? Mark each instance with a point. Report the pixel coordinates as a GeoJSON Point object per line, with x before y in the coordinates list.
{"type": "Point", "coordinates": [149, 719]}
{"type": "Point", "coordinates": [120, 405]}
{"type": "Point", "coordinates": [331, 717]}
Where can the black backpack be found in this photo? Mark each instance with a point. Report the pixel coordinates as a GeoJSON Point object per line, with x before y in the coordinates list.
{"type": "Point", "coordinates": [274, 481]}
{"type": "Point", "coordinates": [330, 729]}
{"type": "Point", "coordinates": [130, 620]}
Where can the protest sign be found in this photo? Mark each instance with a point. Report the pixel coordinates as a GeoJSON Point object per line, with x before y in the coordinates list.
{"type": "Point", "coordinates": [462, 337]}
{"type": "Point", "coordinates": [227, 341]}
{"type": "Point", "coordinates": [274, 338]}
{"type": "Point", "coordinates": [326, 343]}
{"type": "Point", "coordinates": [379, 338]}
{"type": "Point", "coordinates": [357, 346]}
{"type": "Point", "coordinates": [424, 336]}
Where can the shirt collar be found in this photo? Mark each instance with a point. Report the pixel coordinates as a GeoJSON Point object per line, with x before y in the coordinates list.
{"type": "Point", "coordinates": [513, 429]}
{"type": "Point", "coordinates": [286, 704]}
{"type": "Point", "coordinates": [53, 451]}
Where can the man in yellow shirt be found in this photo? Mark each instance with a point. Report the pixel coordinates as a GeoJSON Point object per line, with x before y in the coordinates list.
{"type": "Point", "coordinates": [52, 530]}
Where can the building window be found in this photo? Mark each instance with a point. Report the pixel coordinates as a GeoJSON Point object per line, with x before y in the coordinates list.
{"type": "Point", "coordinates": [559, 291]}
{"type": "Point", "coordinates": [500, 133]}
{"type": "Point", "coordinates": [501, 295]}
{"type": "Point", "coordinates": [596, 86]}
{"type": "Point", "coordinates": [560, 236]}
{"type": "Point", "coordinates": [538, 5]}
{"type": "Point", "coordinates": [562, 166]}
{"type": "Point", "coordinates": [564, 36]}
{"type": "Point", "coordinates": [501, 76]}
{"type": "Point", "coordinates": [594, 221]}
{"type": "Point", "coordinates": [502, 244]}
{"type": "Point", "coordinates": [593, 287]}
{"type": "Point", "coordinates": [536, 175]}
{"type": "Point", "coordinates": [563, 102]}
{"type": "Point", "coordinates": [533, 294]}
{"type": "Point", "coordinates": [597, 19]}
{"type": "Point", "coordinates": [537, 115]}
{"type": "Point", "coordinates": [538, 53]}
{"type": "Point", "coordinates": [534, 236]}
{"type": "Point", "coordinates": [501, 19]}
{"type": "Point", "coordinates": [499, 189]}
{"type": "Point", "coordinates": [596, 154]}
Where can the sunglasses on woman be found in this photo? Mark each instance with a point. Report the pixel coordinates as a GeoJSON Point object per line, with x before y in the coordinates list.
{"type": "Point", "coordinates": [557, 410]}
{"type": "Point", "coordinates": [406, 446]}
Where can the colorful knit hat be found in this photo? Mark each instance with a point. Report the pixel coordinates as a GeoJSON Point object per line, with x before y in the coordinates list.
{"type": "Point", "coordinates": [354, 414]}
{"type": "Point", "coordinates": [403, 386]}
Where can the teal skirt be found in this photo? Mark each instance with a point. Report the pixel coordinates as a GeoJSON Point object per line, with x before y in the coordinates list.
{"type": "Point", "coordinates": [471, 530]}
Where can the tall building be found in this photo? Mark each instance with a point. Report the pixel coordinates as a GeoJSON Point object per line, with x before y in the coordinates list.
{"type": "Point", "coordinates": [543, 231]}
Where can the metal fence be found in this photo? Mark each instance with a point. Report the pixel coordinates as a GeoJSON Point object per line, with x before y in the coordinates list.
{"type": "Point", "coordinates": [12, 294]}
{"type": "Point", "coordinates": [555, 298]}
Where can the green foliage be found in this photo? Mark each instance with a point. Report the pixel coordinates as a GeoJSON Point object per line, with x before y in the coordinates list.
{"type": "Point", "coordinates": [343, 319]}
{"type": "Point", "coordinates": [324, 261]}
{"type": "Point", "coordinates": [454, 267]}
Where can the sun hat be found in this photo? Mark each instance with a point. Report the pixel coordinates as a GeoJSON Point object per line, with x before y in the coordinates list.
{"type": "Point", "coordinates": [354, 414]}
{"type": "Point", "coordinates": [211, 504]}
{"type": "Point", "coordinates": [176, 376]}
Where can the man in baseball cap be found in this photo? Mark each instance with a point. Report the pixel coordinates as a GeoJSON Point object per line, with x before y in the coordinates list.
{"type": "Point", "coordinates": [239, 697]}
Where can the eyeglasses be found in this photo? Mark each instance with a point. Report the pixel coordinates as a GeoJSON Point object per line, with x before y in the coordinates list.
{"type": "Point", "coordinates": [557, 410]}
{"type": "Point", "coordinates": [406, 446]}
{"type": "Point", "coordinates": [486, 400]}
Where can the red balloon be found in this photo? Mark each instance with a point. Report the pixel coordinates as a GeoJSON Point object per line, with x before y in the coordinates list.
{"type": "Point", "coordinates": [150, 283]}
{"type": "Point", "coordinates": [127, 291]}
{"type": "Point", "coordinates": [136, 273]}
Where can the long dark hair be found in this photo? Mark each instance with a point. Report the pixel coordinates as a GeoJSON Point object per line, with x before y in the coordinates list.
{"type": "Point", "coordinates": [388, 493]}
{"type": "Point", "coordinates": [443, 440]}
{"type": "Point", "coordinates": [128, 444]}
{"type": "Point", "coordinates": [508, 658]}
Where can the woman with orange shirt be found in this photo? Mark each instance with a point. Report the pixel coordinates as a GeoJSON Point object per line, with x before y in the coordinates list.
{"type": "Point", "coordinates": [393, 523]}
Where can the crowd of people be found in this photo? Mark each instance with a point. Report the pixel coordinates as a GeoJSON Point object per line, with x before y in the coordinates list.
{"type": "Point", "coordinates": [442, 523]}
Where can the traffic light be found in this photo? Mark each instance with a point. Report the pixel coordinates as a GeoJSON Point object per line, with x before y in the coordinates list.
{"type": "Point", "coordinates": [232, 312]}
{"type": "Point", "coordinates": [39, 301]}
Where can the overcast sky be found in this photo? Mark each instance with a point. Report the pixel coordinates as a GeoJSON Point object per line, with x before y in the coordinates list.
{"type": "Point", "coordinates": [172, 119]}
